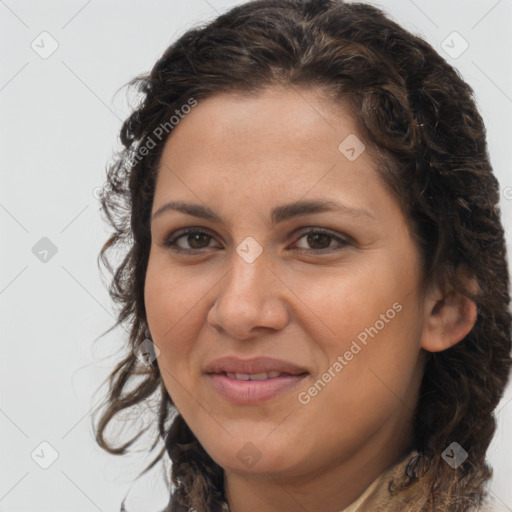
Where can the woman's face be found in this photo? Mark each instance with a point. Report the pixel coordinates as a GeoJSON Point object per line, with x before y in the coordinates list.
{"type": "Point", "coordinates": [333, 292]}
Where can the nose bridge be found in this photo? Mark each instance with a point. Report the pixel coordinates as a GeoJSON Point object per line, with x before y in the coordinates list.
{"type": "Point", "coordinates": [248, 270]}
{"type": "Point", "coordinates": [248, 296]}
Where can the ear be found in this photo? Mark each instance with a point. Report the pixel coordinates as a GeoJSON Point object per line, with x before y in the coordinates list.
{"type": "Point", "coordinates": [448, 317]}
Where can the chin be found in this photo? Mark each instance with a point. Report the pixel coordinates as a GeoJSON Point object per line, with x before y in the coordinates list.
{"type": "Point", "coordinates": [256, 457]}
{"type": "Point", "coordinates": [261, 467]}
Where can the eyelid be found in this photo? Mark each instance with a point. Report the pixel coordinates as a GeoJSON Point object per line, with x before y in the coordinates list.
{"type": "Point", "coordinates": [170, 241]}
{"type": "Point", "coordinates": [342, 240]}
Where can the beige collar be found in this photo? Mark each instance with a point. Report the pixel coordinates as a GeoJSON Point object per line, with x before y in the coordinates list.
{"type": "Point", "coordinates": [354, 507]}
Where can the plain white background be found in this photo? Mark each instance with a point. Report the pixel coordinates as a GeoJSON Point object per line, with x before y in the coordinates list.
{"type": "Point", "coordinates": [60, 118]}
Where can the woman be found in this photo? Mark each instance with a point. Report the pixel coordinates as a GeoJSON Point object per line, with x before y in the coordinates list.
{"type": "Point", "coordinates": [316, 281]}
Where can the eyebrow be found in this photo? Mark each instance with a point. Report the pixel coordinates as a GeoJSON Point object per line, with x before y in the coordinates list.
{"type": "Point", "coordinates": [278, 214]}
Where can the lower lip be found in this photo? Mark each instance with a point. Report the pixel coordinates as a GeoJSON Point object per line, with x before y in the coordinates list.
{"type": "Point", "coordinates": [243, 392]}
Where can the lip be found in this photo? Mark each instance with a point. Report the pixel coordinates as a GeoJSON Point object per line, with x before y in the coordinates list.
{"type": "Point", "coordinates": [234, 364]}
{"type": "Point", "coordinates": [248, 392]}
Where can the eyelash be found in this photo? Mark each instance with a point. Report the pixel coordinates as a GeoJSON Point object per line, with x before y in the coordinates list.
{"type": "Point", "coordinates": [171, 241]}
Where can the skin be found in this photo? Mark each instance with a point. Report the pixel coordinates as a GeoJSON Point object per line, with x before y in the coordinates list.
{"type": "Point", "coordinates": [242, 156]}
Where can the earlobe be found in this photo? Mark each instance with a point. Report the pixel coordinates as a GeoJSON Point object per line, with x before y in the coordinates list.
{"type": "Point", "coordinates": [449, 318]}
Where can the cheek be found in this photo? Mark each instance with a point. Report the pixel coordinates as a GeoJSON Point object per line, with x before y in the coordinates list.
{"type": "Point", "coordinates": [172, 298]}
{"type": "Point", "coordinates": [170, 313]}
{"type": "Point", "coordinates": [374, 325]}
{"type": "Point", "coordinates": [176, 311]}
{"type": "Point", "coordinates": [354, 396]}
{"type": "Point", "coordinates": [347, 304]}
{"type": "Point", "coordinates": [170, 334]}
{"type": "Point", "coordinates": [380, 364]}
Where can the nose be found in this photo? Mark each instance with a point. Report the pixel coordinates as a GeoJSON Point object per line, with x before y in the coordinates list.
{"type": "Point", "coordinates": [250, 299]}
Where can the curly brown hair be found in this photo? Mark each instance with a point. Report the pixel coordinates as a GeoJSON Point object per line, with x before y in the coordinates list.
{"type": "Point", "coordinates": [420, 119]}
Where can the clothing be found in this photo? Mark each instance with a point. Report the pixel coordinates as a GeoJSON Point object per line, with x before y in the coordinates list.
{"type": "Point", "coordinates": [356, 505]}
{"type": "Point", "coordinates": [377, 498]}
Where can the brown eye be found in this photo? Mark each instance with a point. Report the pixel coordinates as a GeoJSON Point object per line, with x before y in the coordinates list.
{"type": "Point", "coordinates": [194, 238]}
{"type": "Point", "coordinates": [319, 240]}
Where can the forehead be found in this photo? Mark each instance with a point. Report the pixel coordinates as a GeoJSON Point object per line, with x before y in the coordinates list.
{"type": "Point", "coordinates": [284, 137]}
{"type": "Point", "coordinates": [275, 115]}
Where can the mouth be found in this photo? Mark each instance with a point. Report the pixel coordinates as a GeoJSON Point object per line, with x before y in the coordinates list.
{"type": "Point", "coordinates": [257, 376]}
{"type": "Point", "coordinates": [257, 368]}
{"type": "Point", "coordinates": [255, 388]}
{"type": "Point", "coordinates": [253, 381]}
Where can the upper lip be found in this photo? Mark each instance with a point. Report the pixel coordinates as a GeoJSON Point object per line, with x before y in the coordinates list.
{"type": "Point", "coordinates": [255, 365]}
